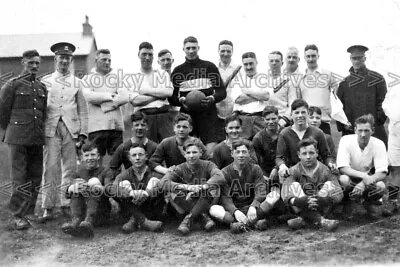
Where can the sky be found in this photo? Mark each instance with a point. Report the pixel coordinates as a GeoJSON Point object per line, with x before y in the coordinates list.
{"type": "Point", "coordinates": [252, 25]}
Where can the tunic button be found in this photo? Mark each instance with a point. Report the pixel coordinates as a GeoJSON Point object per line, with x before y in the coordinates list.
{"type": "Point", "coordinates": [35, 117]}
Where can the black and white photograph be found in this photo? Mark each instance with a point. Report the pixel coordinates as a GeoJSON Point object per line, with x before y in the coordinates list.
{"type": "Point", "coordinates": [208, 133]}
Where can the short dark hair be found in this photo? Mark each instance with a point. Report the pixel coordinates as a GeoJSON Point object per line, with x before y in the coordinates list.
{"type": "Point", "coordinates": [314, 109]}
{"type": "Point", "coordinates": [241, 142]}
{"type": "Point", "coordinates": [367, 118]}
{"type": "Point", "coordinates": [134, 145]}
{"type": "Point", "coordinates": [190, 39]}
{"type": "Point", "coordinates": [138, 115]}
{"type": "Point", "coordinates": [233, 117]}
{"type": "Point", "coordinates": [270, 109]}
{"type": "Point", "coordinates": [103, 51]}
{"type": "Point", "coordinates": [183, 117]}
{"type": "Point", "coordinates": [88, 146]}
{"type": "Point", "coordinates": [298, 103]}
{"type": "Point", "coordinates": [146, 45]}
{"type": "Point", "coordinates": [249, 55]}
{"type": "Point", "coordinates": [194, 142]}
{"type": "Point", "coordinates": [307, 142]}
{"type": "Point", "coordinates": [277, 53]}
{"type": "Point", "coordinates": [163, 52]}
{"type": "Point", "coordinates": [311, 46]}
{"type": "Point", "coordinates": [30, 53]}
{"type": "Point", "coordinates": [225, 42]}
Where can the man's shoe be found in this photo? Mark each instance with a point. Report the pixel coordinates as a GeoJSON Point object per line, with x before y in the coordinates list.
{"type": "Point", "coordinates": [71, 228]}
{"type": "Point", "coordinates": [150, 225]}
{"type": "Point", "coordinates": [296, 223]}
{"type": "Point", "coordinates": [328, 225]}
{"type": "Point", "coordinates": [186, 225]}
{"type": "Point", "coordinates": [392, 207]}
{"type": "Point", "coordinates": [48, 215]}
{"type": "Point", "coordinates": [21, 224]}
{"type": "Point", "coordinates": [238, 227]}
{"type": "Point", "coordinates": [86, 229]}
{"type": "Point", "coordinates": [262, 225]}
{"type": "Point", "coordinates": [209, 223]}
{"type": "Point", "coordinates": [370, 210]}
{"type": "Point", "coordinates": [130, 226]}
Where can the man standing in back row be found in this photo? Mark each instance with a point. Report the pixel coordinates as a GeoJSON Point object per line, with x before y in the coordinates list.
{"type": "Point", "coordinates": [196, 74]}
{"type": "Point", "coordinates": [362, 92]}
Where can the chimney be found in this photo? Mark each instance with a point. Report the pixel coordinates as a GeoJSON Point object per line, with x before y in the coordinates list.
{"type": "Point", "coordinates": [87, 28]}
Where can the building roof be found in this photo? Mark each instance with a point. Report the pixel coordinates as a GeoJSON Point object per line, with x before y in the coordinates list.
{"type": "Point", "coordinates": [15, 45]}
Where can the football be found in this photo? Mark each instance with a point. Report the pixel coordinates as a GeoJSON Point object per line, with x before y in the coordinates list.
{"type": "Point", "coordinates": [193, 100]}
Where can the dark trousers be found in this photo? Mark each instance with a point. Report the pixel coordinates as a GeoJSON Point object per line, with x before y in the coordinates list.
{"type": "Point", "coordinates": [152, 208]}
{"type": "Point", "coordinates": [26, 175]}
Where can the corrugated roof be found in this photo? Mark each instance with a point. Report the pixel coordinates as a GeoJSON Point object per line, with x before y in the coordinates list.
{"type": "Point", "coordinates": [15, 45]}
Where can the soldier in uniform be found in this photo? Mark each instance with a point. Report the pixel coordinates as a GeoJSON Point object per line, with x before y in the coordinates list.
{"type": "Point", "coordinates": [362, 92]}
{"type": "Point", "coordinates": [23, 103]}
{"type": "Point", "coordinates": [66, 123]}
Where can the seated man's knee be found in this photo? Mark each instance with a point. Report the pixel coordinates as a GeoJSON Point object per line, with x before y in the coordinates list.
{"type": "Point", "coordinates": [217, 212]}
{"type": "Point", "coordinates": [296, 189]}
{"type": "Point", "coordinates": [125, 184]}
{"type": "Point", "coordinates": [152, 184]}
{"type": "Point", "coordinates": [344, 180]}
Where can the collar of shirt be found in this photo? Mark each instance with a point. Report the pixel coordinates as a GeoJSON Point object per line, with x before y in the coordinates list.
{"type": "Point", "coordinates": [141, 175]}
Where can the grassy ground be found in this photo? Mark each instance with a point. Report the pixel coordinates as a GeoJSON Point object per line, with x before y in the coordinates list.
{"type": "Point", "coordinates": [355, 242]}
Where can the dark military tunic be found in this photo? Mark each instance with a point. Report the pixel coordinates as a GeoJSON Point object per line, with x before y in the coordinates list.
{"type": "Point", "coordinates": [362, 93]}
{"type": "Point", "coordinates": [23, 103]}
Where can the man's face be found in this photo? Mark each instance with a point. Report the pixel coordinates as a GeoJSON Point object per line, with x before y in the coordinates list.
{"type": "Point", "coordinates": [31, 65]}
{"type": "Point", "coordinates": [311, 56]}
{"type": "Point", "coordinates": [364, 132]}
{"type": "Point", "coordinates": [63, 62]}
{"type": "Point", "coordinates": [225, 53]}
{"type": "Point", "coordinates": [357, 60]}
{"type": "Point", "coordinates": [91, 159]}
{"type": "Point", "coordinates": [271, 121]}
{"type": "Point", "coordinates": [192, 155]}
{"type": "Point", "coordinates": [241, 155]}
{"type": "Point", "coordinates": [250, 66]}
{"type": "Point", "coordinates": [139, 128]}
{"type": "Point", "coordinates": [275, 62]}
{"type": "Point", "coordinates": [137, 156]}
{"type": "Point", "coordinates": [191, 50]}
{"type": "Point", "coordinates": [233, 130]}
{"type": "Point", "coordinates": [315, 120]}
{"type": "Point", "coordinates": [292, 59]}
{"type": "Point", "coordinates": [103, 63]}
{"type": "Point", "coordinates": [182, 129]}
{"type": "Point", "coordinates": [146, 58]}
{"type": "Point", "coordinates": [166, 61]}
{"type": "Point", "coordinates": [308, 156]}
{"type": "Point", "coordinates": [300, 116]}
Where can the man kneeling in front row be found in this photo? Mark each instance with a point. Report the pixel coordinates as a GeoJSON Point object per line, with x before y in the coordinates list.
{"type": "Point", "coordinates": [244, 199]}
{"type": "Point", "coordinates": [89, 204]}
{"type": "Point", "coordinates": [192, 187]}
{"type": "Point", "coordinates": [363, 165]}
{"type": "Point", "coordinates": [310, 189]}
{"type": "Point", "coordinates": [136, 191]}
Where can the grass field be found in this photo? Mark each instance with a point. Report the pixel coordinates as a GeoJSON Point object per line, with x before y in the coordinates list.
{"type": "Point", "coordinates": [358, 242]}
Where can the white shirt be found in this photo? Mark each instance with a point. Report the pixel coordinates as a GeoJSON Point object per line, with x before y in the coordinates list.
{"type": "Point", "coordinates": [245, 85]}
{"type": "Point", "coordinates": [373, 155]}
{"type": "Point", "coordinates": [152, 83]}
{"type": "Point", "coordinates": [315, 89]}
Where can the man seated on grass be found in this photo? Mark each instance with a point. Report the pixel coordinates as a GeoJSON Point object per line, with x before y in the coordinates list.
{"type": "Point", "coordinates": [363, 165]}
{"type": "Point", "coordinates": [89, 204]}
{"type": "Point", "coordinates": [192, 186]}
{"type": "Point", "coordinates": [244, 201]}
{"type": "Point", "coordinates": [135, 189]}
{"type": "Point", "coordinates": [310, 189]}
{"type": "Point", "coordinates": [286, 151]}
{"type": "Point", "coordinates": [170, 150]}
{"type": "Point", "coordinates": [222, 155]}
{"type": "Point", "coordinates": [139, 136]}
